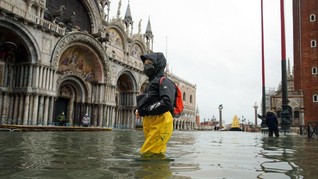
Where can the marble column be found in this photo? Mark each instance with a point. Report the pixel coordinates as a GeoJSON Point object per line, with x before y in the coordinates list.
{"type": "Point", "coordinates": [51, 110]}
{"type": "Point", "coordinates": [100, 117]}
{"type": "Point", "coordinates": [46, 110]}
{"type": "Point", "coordinates": [26, 109]}
{"type": "Point", "coordinates": [70, 112]}
{"type": "Point", "coordinates": [35, 109]}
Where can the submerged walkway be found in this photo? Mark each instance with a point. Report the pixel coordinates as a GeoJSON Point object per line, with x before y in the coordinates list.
{"type": "Point", "coordinates": [5, 127]}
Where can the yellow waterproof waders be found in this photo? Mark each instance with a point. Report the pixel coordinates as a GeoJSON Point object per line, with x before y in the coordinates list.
{"type": "Point", "coordinates": [157, 130]}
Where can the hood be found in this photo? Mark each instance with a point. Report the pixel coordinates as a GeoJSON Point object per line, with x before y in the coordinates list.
{"type": "Point", "coordinates": [159, 62]}
{"type": "Point", "coordinates": [270, 113]}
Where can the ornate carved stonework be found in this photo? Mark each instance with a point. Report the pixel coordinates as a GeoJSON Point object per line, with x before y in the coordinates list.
{"type": "Point", "coordinates": [115, 38]}
{"type": "Point", "coordinates": [135, 50]}
{"type": "Point", "coordinates": [79, 37]}
{"type": "Point", "coordinates": [69, 75]}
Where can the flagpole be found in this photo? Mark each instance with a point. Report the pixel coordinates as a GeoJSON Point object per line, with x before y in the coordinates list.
{"type": "Point", "coordinates": [263, 124]}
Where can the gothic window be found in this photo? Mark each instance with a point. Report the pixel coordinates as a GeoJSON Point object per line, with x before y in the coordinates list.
{"type": "Point", "coordinates": [68, 11]}
{"type": "Point", "coordinates": [314, 70]}
{"type": "Point", "coordinates": [315, 98]}
{"type": "Point", "coordinates": [296, 114]}
{"type": "Point", "coordinates": [190, 98]}
{"type": "Point", "coordinates": [184, 96]}
{"type": "Point", "coordinates": [313, 43]}
{"type": "Point", "coordinates": [312, 18]}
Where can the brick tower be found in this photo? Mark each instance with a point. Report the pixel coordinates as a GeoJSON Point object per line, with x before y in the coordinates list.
{"type": "Point", "coordinates": [306, 55]}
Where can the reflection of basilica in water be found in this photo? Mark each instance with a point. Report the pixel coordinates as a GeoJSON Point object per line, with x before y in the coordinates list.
{"type": "Point", "coordinates": [69, 56]}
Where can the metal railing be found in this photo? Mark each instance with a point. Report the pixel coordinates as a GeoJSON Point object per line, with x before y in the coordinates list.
{"type": "Point", "coordinates": [312, 129]}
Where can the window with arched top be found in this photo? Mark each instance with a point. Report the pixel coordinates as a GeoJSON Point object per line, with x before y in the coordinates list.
{"type": "Point", "coordinates": [296, 114]}
{"type": "Point", "coordinates": [313, 43]}
{"type": "Point", "coordinates": [314, 70]}
{"type": "Point", "coordinates": [312, 18]}
{"type": "Point", "coordinates": [315, 98]}
{"type": "Point", "coordinates": [184, 96]}
{"type": "Point", "coordinates": [190, 98]}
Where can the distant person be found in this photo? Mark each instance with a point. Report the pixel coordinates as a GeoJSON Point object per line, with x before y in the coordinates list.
{"type": "Point", "coordinates": [86, 120]}
{"type": "Point", "coordinates": [156, 106]}
{"type": "Point", "coordinates": [61, 118]}
{"type": "Point", "coordinates": [272, 123]}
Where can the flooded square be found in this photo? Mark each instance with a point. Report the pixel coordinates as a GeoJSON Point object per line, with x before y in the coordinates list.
{"type": "Point", "coordinates": [196, 154]}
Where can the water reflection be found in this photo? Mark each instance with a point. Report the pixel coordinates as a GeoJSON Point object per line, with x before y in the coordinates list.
{"type": "Point", "coordinates": [290, 156]}
{"type": "Point", "coordinates": [197, 155]}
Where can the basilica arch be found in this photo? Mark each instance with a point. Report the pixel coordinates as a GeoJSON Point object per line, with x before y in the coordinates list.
{"type": "Point", "coordinates": [18, 54]}
{"type": "Point", "coordinates": [72, 99]}
{"type": "Point", "coordinates": [125, 100]}
{"type": "Point", "coordinates": [82, 70]}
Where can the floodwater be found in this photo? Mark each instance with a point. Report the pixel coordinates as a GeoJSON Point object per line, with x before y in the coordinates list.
{"type": "Point", "coordinates": [196, 154]}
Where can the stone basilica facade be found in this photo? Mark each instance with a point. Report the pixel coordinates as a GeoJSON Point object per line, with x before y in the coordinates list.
{"type": "Point", "coordinates": [69, 56]}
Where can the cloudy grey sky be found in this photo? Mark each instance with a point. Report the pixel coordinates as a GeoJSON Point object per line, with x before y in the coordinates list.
{"type": "Point", "coordinates": [217, 46]}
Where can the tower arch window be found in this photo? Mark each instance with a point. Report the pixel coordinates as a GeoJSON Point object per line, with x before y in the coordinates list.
{"type": "Point", "coordinates": [312, 18]}
{"type": "Point", "coordinates": [184, 96]}
{"type": "Point", "coordinates": [314, 70]}
{"type": "Point", "coordinates": [190, 98]}
{"type": "Point", "coordinates": [315, 98]}
{"type": "Point", "coordinates": [313, 43]}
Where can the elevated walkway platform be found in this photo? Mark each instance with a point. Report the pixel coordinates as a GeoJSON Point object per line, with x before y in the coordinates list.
{"type": "Point", "coordinates": [13, 128]}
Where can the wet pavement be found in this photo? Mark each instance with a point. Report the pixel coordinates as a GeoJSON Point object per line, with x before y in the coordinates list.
{"type": "Point", "coordinates": [196, 154]}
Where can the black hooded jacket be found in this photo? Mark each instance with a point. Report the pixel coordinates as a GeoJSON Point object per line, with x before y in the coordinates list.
{"type": "Point", "coordinates": [158, 98]}
{"type": "Point", "coordinates": [271, 121]}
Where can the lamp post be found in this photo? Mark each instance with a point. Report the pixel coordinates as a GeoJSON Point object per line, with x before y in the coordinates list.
{"type": "Point", "coordinates": [220, 110]}
{"type": "Point", "coordinates": [255, 108]}
{"type": "Point", "coordinates": [285, 124]}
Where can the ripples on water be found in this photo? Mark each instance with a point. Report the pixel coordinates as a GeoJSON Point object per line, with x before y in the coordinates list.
{"type": "Point", "coordinates": [111, 154]}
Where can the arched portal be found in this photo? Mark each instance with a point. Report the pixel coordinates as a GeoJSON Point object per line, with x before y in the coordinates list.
{"type": "Point", "coordinates": [72, 94]}
{"type": "Point", "coordinates": [80, 59]}
{"type": "Point", "coordinates": [80, 69]}
{"type": "Point", "coordinates": [18, 52]}
{"type": "Point", "coordinates": [125, 101]}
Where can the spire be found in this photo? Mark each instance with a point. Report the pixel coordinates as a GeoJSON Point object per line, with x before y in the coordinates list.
{"type": "Point", "coordinates": [128, 19]}
{"type": "Point", "coordinates": [197, 111]}
{"type": "Point", "coordinates": [288, 68]}
{"type": "Point", "coordinates": [148, 33]}
{"type": "Point", "coordinates": [118, 10]}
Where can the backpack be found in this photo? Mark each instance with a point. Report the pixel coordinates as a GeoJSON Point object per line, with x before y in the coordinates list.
{"type": "Point", "coordinates": [178, 101]}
